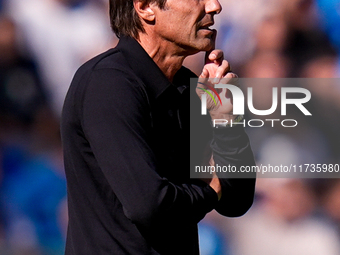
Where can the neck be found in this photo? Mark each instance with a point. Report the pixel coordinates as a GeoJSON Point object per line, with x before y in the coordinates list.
{"type": "Point", "coordinates": [168, 57]}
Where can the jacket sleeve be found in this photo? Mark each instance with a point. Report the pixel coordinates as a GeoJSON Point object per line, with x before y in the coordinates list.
{"type": "Point", "coordinates": [231, 147]}
{"type": "Point", "coordinates": [116, 123]}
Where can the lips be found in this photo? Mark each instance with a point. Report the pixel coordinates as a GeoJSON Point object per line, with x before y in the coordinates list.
{"type": "Point", "coordinates": [207, 26]}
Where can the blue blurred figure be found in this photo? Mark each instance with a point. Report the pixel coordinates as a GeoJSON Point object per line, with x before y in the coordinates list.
{"type": "Point", "coordinates": [32, 193]}
{"type": "Point", "coordinates": [330, 21]}
{"type": "Point", "coordinates": [211, 240]}
{"type": "Point", "coordinates": [330, 18]}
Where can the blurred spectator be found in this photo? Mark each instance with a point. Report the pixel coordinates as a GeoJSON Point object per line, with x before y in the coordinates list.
{"type": "Point", "coordinates": [304, 47]}
{"type": "Point", "coordinates": [211, 238]}
{"type": "Point", "coordinates": [21, 92]}
{"type": "Point", "coordinates": [300, 14]}
{"type": "Point", "coordinates": [329, 193]}
{"type": "Point", "coordinates": [266, 65]}
{"type": "Point", "coordinates": [237, 26]}
{"type": "Point", "coordinates": [281, 223]}
{"type": "Point", "coordinates": [61, 35]}
{"type": "Point", "coordinates": [32, 180]}
{"type": "Point", "coordinates": [325, 104]}
{"type": "Point", "coordinates": [34, 190]}
{"type": "Point", "coordinates": [322, 67]}
{"type": "Point", "coordinates": [329, 11]}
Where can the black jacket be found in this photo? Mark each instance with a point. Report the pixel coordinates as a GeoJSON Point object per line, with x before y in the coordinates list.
{"type": "Point", "coordinates": [125, 131]}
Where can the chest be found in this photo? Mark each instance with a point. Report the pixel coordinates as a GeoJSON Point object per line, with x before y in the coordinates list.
{"type": "Point", "coordinates": [170, 134]}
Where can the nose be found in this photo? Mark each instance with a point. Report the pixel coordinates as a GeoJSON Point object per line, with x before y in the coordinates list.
{"type": "Point", "coordinates": [213, 6]}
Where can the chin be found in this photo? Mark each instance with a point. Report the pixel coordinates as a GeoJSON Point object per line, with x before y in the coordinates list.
{"type": "Point", "coordinates": [206, 40]}
{"type": "Point", "coordinates": [205, 44]}
{"type": "Point", "coordinates": [208, 46]}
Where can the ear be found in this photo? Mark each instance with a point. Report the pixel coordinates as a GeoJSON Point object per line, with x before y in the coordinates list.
{"type": "Point", "coordinates": [145, 10]}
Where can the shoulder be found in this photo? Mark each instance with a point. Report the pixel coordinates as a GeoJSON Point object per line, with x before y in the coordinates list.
{"type": "Point", "coordinates": [104, 80]}
{"type": "Point", "coordinates": [106, 72]}
{"type": "Point", "coordinates": [111, 62]}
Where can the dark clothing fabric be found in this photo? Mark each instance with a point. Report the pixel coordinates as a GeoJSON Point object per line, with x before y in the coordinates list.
{"type": "Point", "coordinates": [125, 133]}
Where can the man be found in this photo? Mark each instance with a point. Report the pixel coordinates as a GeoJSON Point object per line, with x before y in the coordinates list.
{"type": "Point", "coordinates": [126, 134]}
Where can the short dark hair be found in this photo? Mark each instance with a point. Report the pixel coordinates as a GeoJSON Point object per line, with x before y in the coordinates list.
{"type": "Point", "coordinates": [125, 20]}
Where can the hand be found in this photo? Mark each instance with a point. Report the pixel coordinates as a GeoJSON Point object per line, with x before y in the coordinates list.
{"type": "Point", "coordinates": [216, 185]}
{"type": "Point", "coordinates": [216, 70]}
{"type": "Point", "coordinates": [215, 182]}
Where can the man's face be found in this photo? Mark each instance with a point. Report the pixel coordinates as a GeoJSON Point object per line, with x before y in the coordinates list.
{"type": "Point", "coordinates": [187, 24]}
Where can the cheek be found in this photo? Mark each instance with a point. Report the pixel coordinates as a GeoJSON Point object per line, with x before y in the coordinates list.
{"type": "Point", "coordinates": [177, 28]}
{"type": "Point", "coordinates": [181, 18]}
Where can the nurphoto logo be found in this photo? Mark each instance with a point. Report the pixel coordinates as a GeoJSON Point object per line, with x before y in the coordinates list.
{"type": "Point", "coordinates": [239, 105]}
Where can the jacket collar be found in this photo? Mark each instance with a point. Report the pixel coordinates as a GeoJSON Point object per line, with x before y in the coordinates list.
{"type": "Point", "coordinates": [144, 66]}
